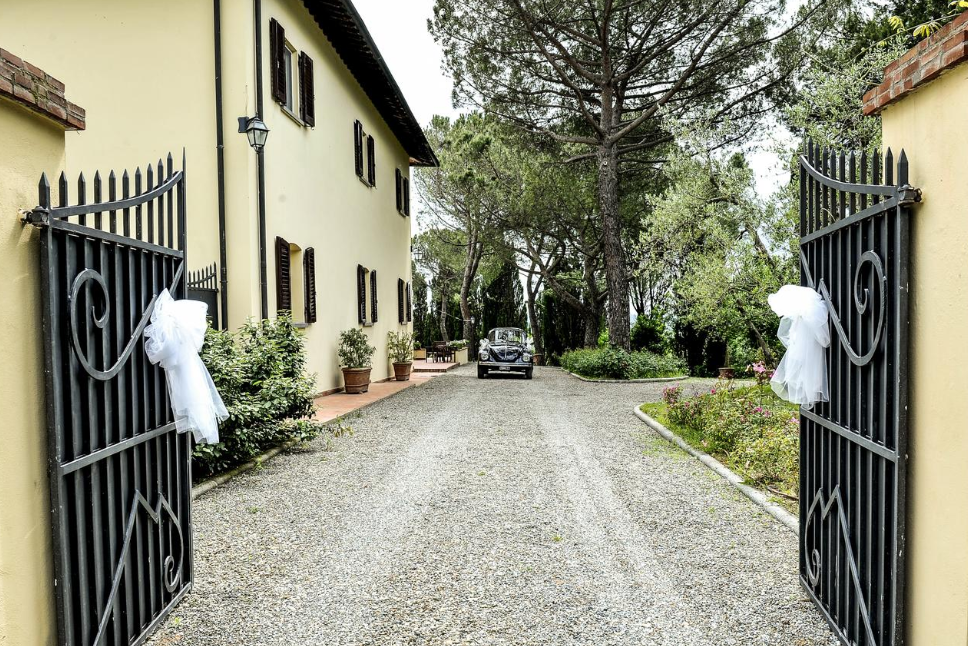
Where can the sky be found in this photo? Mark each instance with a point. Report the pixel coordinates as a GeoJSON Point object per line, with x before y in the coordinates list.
{"type": "Point", "coordinates": [399, 28]}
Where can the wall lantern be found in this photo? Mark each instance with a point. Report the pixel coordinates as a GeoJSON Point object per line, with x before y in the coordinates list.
{"type": "Point", "coordinates": [255, 130]}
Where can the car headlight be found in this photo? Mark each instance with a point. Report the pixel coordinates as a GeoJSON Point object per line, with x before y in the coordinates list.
{"type": "Point", "coordinates": [527, 357]}
{"type": "Point", "coordinates": [483, 355]}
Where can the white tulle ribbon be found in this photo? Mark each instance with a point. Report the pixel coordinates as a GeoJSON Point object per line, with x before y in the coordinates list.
{"type": "Point", "coordinates": [801, 377]}
{"type": "Point", "coordinates": [174, 339]}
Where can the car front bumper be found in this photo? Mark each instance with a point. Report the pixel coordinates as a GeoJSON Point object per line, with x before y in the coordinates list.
{"type": "Point", "coordinates": [505, 367]}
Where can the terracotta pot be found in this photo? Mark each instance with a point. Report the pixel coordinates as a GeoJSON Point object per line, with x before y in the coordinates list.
{"type": "Point", "coordinates": [357, 380]}
{"type": "Point", "coordinates": [726, 373]}
{"type": "Point", "coordinates": [538, 359]}
{"type": "Point", "coordinates": [420, 353]}
{"type": "Point", "coordinates": [401, 371]}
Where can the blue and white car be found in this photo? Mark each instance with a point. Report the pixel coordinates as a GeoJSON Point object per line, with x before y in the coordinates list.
{"type": "Point", "coordinates": [505, 349]}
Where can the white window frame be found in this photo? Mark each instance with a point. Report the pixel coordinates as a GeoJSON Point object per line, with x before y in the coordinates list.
{"type": "Point", "coordinates": [289, 55]}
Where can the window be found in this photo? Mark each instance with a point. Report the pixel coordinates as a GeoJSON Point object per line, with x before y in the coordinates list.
{"type": "Point", "coordinates": [366, 295]}
{"type": "Point", "coordinates": [403, 193]}
{"type": "Point", "coordinates": [296, 292]}
{"type": "Point", "coordinates": [365, 157]}
{"type": "Point", "coordinates": [284, 64]}
{"type": "Point", "coordinates": [287, 52]}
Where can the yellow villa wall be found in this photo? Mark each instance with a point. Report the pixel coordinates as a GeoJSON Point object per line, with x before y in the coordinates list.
{"type": "Point", "coordinates": [144, 73]}
{"type": "Point", "coordinates": [314, 198]}
{"type": "Point", "coordinates": [31, 145]}
{"type": "Point", "coordinates": [929, 124]}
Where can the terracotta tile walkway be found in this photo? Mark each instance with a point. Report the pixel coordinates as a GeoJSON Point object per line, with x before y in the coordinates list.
{"type": "Point", "coordinates": [338, 404]}
{"type": "Point", "coordinates": [422, 365]}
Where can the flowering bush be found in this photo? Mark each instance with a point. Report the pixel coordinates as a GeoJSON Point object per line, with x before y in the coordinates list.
{"type": "Point", "coordinates": [749, 429]}
{"type": "Point", "coordinates": [671, 394]}
{"type": "Point", "coordinates": [761, 372]}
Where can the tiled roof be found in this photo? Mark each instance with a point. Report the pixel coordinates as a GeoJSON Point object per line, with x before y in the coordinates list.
{"type": "Point", "coordinates": [342, 25]}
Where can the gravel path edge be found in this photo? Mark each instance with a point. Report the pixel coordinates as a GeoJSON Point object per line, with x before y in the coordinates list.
{"type": "Point", "coordinates": [790, 521]}
{"type": "Point", "coordinates": [655, 380]}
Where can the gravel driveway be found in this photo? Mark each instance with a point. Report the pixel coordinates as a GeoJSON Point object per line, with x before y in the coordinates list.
{"type": "Point", "coordinates": [500, 511]}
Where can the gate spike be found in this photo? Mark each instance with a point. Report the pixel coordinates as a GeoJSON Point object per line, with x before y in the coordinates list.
{"type": "Point", "coordinates": [889, 168]}
{"type": "Point", "coordinates": [902, 168]}
{"type": "Point", "coordinates": [43, 191]}
{"type": "Point", "coordinates": [113, 196]}
{"type": "Point", "coordinates": [62, 189]}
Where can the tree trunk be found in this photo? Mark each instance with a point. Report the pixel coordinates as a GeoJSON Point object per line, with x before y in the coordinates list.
{"type": "Point", "coordinates": [474, 250]}
{"type": "Point", "coordinates": [533, 313]}
{"type": "Point", "coordinates": [616, 274]}
{"type": "Point", "coordinates": [592, 318]}
{"type": "Point", "coordinates": [764, 346]}
{"type": "Point", "coordinates": [443, 317]}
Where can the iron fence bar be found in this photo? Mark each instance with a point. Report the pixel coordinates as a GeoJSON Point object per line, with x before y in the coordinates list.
{"type": "Point", "coordinates": [114, 449]}
{"type": "Point", "coordinates": [855, 438]}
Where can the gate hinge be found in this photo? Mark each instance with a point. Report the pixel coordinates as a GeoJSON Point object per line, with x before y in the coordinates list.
{"type": "Point", "coordinates": [38, 217]}
{"type": "Point", "coordinates": [908, 195]}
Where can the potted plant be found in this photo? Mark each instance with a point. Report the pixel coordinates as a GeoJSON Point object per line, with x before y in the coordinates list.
{"type": "Point", "coordinates": [355, 357]}
{"type": "Point", "coordinates": [400, 349]}
{"type": "Point", "coordinates": [419, 352]}
{"type": "Point", "coordinates": [460, 351]}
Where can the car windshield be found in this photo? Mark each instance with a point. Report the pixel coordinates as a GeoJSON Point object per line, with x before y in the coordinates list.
{"type": "Point", "coordinates": [506, 335]}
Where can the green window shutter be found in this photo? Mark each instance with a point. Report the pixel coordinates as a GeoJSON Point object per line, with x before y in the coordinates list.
{"type": "Point", "coordinates": [399, 184]}
{"type": "Point", "coordinates": [358, 145]}
{"type": "Point", "coordinates": [401, 301]}
{"type": "Point", "coordinates": [371, 160]}
{"type": "Point", "coordinates": [361, 293]}
{"type": "Point", "coordinates": [409, 305]}
{"type": "Point", "coordinates": [277, 63]}
{"type": "Point", "coordinates": [283, 276]}
{"type": "Point", "coordinates": [373, 296]}
{"type": "Point", "coordinates": [307, 96]}
{"type": "Point", "coordinates": [309, 282]}
{"type": "Point", "coordinates": [406, 196]}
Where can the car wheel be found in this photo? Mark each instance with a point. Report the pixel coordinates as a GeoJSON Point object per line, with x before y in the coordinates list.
{"type": "Point", "coordinates": [529, 373]}
{"type": "Point", "coordinates": [481, 372]}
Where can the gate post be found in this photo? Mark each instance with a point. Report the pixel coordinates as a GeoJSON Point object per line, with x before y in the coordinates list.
{"type": "Point", "coordinates": [34, 142]}
{"type": "Point", "coordinates": [922, 104]}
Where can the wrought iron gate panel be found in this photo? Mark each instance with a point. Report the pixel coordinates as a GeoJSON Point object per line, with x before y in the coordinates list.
{"type": "Point", "coordinates": [854, 219]}
{"type": "Point", "coordinates": [120, 475]}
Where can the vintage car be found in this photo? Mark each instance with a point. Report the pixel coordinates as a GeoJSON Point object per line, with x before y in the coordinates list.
{"type": "Point", "coordinates": [505, 350]}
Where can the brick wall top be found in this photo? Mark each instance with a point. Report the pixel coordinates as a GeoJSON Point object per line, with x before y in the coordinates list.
{"type": "Point", "coordinates": [32, 87]}
{"type": "Point", "coordinates": [945, 49]}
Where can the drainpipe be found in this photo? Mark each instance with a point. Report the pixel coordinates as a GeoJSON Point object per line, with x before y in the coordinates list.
{"type": "Point", "coordinates": [260, 159]}
{"type": "Point", "coordinates": [220, 157]}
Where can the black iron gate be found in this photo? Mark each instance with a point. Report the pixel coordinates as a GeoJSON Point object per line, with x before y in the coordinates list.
{"type": "Point", "coordinates": [120, 475]}
{"type": "Point", "coordinates": [854, 219]}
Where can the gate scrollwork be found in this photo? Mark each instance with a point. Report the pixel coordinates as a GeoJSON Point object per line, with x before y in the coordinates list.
{"type": "Point", "coordinates": [92, 276]}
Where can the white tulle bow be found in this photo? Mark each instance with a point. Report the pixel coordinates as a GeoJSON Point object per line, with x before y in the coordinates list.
{"type": "Point", "coordinates": [174, 339]}
{"type": "Point", "coordinates": [801, 377]}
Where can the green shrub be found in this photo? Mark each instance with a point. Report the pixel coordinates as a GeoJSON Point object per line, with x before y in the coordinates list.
{"type": "Point", "coordinates": [260, 372]}
{"type": "Point", "coordinates": [614, 363]}
{"type": "Point", "coordinates": [355, 350]}
{"type": "Point", "coordinates": [649, 333]}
